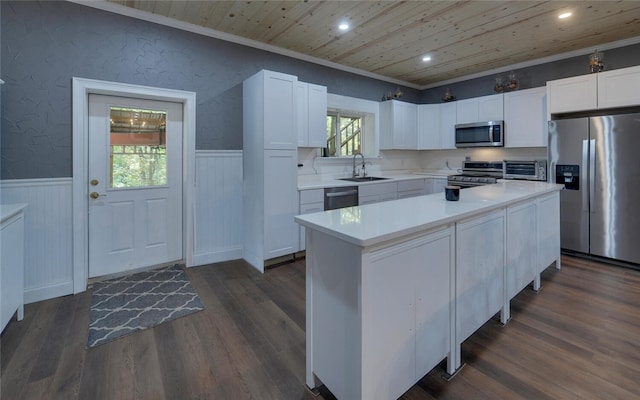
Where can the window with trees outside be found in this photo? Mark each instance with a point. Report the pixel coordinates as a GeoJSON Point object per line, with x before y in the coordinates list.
{"type": "Point", "coordinates": [138, 150]}
{"type": "Point", "coordinates": [344, 134]}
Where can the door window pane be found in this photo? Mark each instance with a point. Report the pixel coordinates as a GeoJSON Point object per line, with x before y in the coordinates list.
{"type": "Point", "coordinates": [138, 147]}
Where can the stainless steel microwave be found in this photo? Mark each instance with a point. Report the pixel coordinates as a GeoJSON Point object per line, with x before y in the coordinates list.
{"type": "Point", "coordinates": [534, 170]}
{"type": "Point", "coordinates": [480, 134]}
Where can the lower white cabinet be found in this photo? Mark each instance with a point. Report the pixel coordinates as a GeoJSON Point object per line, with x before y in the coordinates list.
{"type": "Point", "coordinates": [377, 192]}
{"type": "Point", "coordinates": [310, 201]}
{"type": "Point", "coordinates": [280, 203]}
{"type": "Point", "coordinates": [479, 282]}
{"type": "Point", "coordinates": [411, 188]}
{"type": "Point", "coordinates": [438, 184]}
{"type": "Point", "coordinates": [11, 263]}
{"type": "Point", "coordinates": [522, 248]}
{"type": "Point", "coordinates": [406, 290]}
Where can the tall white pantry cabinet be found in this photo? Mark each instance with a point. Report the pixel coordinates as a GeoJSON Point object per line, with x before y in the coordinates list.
{"type": "Point", "coordinates": [270, 141]}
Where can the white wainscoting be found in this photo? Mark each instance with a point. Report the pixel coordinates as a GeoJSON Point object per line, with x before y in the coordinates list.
{"type": "Point", "coordinates": [218, 206]}
{"type": "Point", "coordinates": [49, 222]}
{"type": "Point", "coordinates": [48, 269]}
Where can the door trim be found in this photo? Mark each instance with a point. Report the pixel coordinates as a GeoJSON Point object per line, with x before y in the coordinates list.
{"type": "Point", "coordinates": [81, 88]}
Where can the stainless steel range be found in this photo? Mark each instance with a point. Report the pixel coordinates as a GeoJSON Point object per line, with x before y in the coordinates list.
{"type": "Point", "coordinates": [477, 173]}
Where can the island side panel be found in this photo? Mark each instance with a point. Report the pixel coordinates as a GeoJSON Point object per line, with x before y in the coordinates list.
{"type": "Point", "coordinates": [334, 321]}
{"type": "Point", "coordinates": [549, 230]}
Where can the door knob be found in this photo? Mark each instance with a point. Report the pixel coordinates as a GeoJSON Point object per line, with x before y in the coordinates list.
{"type": "Point", "coordinates": [94, 195]}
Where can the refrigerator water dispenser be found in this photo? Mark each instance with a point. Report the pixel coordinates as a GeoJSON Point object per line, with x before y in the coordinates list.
{"type": "Point", "coordinates": [569, 175]}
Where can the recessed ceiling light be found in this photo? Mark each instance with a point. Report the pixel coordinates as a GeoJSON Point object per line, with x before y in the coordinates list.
{"type": "Point", "coordinates": [564, 15]}
{"type": "Point", "coordinates": [343, 26]}
{"type": "Point", "coordinates": [426, 58]}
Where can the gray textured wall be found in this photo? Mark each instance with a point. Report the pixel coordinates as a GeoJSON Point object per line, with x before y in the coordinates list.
{"type": "Point", "coordinates": [45, 44]}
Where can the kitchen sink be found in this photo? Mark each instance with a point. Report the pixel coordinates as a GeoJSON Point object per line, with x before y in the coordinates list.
{"type": "Point", "coordinates": [364, 179]}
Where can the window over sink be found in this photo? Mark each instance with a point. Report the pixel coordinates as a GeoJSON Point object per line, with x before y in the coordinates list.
{"type": "Point", "coordinates": [344, 134]}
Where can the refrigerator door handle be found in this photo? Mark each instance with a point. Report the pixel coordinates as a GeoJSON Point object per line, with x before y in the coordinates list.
{"type": "Point", "coordinates": [584, 180]}
{"type": "Point", "coordinates": [592, 174]}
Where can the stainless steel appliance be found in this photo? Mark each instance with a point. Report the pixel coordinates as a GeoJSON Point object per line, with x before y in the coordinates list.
{"type": "Point", "coordinates": [596, 158]}
{"type": "Point", "coordinates": [340, 197]}
{"type": "Point", "coordinates": [534, 170]}
{"type": "Point", "coordinates": [477, 173]}
{"type": "Point", "coordinates": [480, 134]}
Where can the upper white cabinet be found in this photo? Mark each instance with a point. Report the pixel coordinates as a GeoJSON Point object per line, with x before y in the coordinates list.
{"type": "Point", "coordinates": [311, 114]}
{"type": "Point", "coordinates": [480, 109]}
{"type": "Point", "coordinates": [609, 89]}
{"type": "Point", "coordinates": [525, 118]}
{"type": "Point", "coordinates": [619, 88]}
{"type": "Point", "coordinates": [429, 132]}
{"type": "Point", "coordinates": [398, 125]}
{"type": "Point", "coordinates": [448, 125]}
{"type": "Point", "coordinates": [573, 94]}
{"type": "Point", "coordinates": [269, 97]}
{"type": "Point", "coordinates": [436, 126]}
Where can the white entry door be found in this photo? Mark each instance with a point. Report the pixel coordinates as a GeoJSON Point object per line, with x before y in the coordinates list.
{"type": "Point", "coordinates": [135, 183]}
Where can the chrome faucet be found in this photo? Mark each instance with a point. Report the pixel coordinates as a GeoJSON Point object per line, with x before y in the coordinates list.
{"type": "Point", "coordinates": [364, 173]}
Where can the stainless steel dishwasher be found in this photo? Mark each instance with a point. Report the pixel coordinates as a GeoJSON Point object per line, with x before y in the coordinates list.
{"type": "Point", "coordinates": [340, 197]}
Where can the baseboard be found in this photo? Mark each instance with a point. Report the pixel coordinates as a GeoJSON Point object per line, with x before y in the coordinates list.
{"type": "Point", "coordinates": [48, 292]}
{"type": "Point", "coordinates": [216, 256]}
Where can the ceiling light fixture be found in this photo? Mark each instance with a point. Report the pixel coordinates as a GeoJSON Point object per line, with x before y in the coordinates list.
{"type": "Point", "coordinates": [565, 15]}
{"type": "Point", "coordinates": [343, 26]}
{"type": "Point", "coordinates": [426, 58]}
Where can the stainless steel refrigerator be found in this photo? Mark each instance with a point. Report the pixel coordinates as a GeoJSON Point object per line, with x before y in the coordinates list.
{"type": "Point", "coordinates": [598, 160]}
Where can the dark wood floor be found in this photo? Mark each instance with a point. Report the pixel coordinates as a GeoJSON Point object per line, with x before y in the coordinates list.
{"type": "Point", "coordinates": [577, 339]}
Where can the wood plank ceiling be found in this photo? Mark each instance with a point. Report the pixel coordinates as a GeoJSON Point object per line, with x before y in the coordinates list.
{"type": "Point", "coordinates": [390, 38]}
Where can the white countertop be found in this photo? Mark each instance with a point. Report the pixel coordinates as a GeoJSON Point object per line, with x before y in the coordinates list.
{"type": "Point", "coordinates": [9, 210]}
{"type": "Point", "coordinates": [376, 223]}
{"type": "Point", "coordinates": [306, 182]}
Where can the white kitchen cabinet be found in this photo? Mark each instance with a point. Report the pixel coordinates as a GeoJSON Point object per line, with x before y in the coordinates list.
{"type": "Point", "coordinates": [406, 320]}
{"type": "Point", "coordinates": [310, 201]}
{"type": "Point", "coordinates": [280, 203]}
{"type": "Point", "coordinates": [411, 188]}
{"type": "Point", "coordinates": [438, 184]}
{"type": "Point", "coordinates": [270, 193]}
{"type": "Point", "coordinates": [467, 111]}
{"type": "Point", "coordinates": [491, 108]}
{"type": "Point", "coordinates": [311, 114]}
{"type": "Point", "coordinates": [448, 125]}
{"type": "Point", "coordinates": [398, 125]}
{"type": "Point", "coordinates": [619, 88]}
{"type": "Point", "coordinates": [377, 192]}
{"type": "Point", "coordinates": [380, 316]}
{"type": "Point", "coordinates": [11, 263]}
{"type": "Point", "coordinates": [525, 118]}
{"type": "Point", "coordinates": [480, 109]}
{"type": "Point", "coordinates": [429, 126]}
{"type": "Point", "coordinates": [522, 246]}
{"type": "Point", "coordinates": [276, 109]}
{"type": "Point", "coordinates": [577, 93]}
{"type": "Point", "coordinates": [479, 280]}
{"type": "Point", "coordinates": [548, 231]}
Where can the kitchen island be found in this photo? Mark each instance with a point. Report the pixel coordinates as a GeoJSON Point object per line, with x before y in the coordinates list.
{"type": "Point", "coordinates": [393, 288]}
